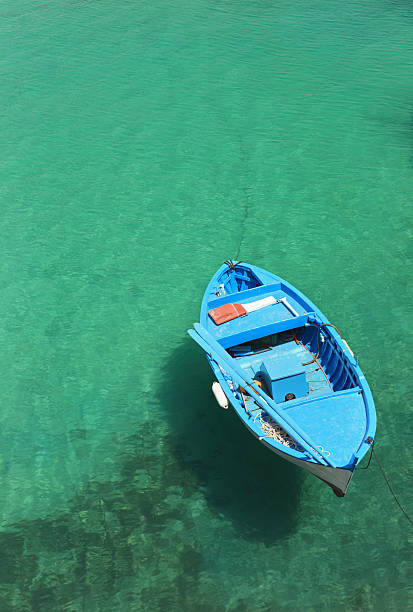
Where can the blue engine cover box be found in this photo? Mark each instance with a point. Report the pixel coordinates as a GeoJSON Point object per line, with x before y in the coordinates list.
{"type": "Point", "coordinates": [284, 376]}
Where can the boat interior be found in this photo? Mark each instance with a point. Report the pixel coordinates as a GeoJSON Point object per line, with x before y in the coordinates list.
{"type": "Point", "coordinates": [295, 363]}
{"type": "Point", "coordinates": [305, 373]}
{"type": "Point", "coordinates": [298, 361]}
{"type": "Point", "coordinates": [291, 358]}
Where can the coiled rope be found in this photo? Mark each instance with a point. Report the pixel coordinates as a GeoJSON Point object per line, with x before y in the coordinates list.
{"type": "Point", "coordinates": [271, 429]}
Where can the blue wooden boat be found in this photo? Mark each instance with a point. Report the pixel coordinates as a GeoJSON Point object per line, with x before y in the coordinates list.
{"type": "Point", "coordinates": [290, 376]}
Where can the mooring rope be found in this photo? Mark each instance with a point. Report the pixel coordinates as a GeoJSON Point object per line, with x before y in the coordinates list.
{"type": "Point", "coordinates": [232, 264]}
{"type": "Point", "coordinates": [373, 452]}
{"type": "Point", "coordinates": [365, 467]}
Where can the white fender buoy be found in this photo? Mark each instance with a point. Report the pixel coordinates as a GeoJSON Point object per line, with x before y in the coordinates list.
{"type": "Point", "coordinates": [220, 396]}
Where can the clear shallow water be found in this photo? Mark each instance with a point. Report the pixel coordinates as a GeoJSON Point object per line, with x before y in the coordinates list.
{"type": "Point", "coordinates": [145, 144]}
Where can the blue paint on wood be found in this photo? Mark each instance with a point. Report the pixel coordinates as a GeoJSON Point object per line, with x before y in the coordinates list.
{"type": "Point", "coordinates": [333, 405]}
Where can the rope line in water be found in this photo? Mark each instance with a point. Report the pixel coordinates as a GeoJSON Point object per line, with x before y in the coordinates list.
{"type": "Point", "coordinates": [232, 264]}
{"type": "Point", "coordinates": [371, 454]}
{"type": "Point", "coordinates": [390, 489]}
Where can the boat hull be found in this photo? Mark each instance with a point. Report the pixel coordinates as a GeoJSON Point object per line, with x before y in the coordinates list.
{"type": "Point", "coordinates": [332, 407]}
{"type": "Point", "coordinates": [337, 478]}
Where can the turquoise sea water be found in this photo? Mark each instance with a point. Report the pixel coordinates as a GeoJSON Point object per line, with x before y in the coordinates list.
{"type": "Point", "coordinates": [144, 143]}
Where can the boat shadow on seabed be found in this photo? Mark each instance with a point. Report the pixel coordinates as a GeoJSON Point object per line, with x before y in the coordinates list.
{"type": "Point", "coordinates": [239, 477]}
